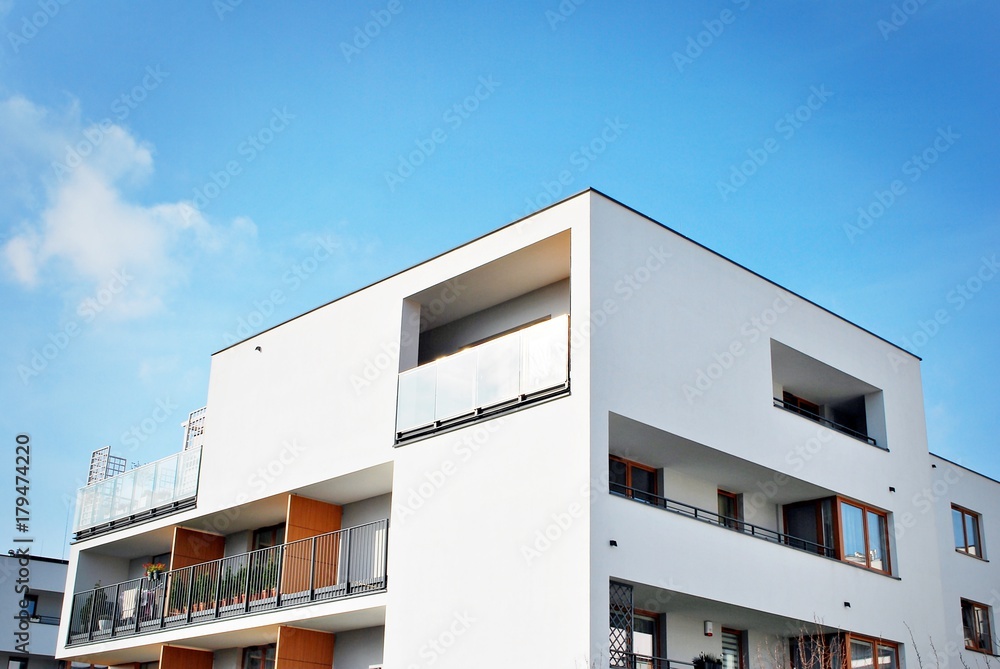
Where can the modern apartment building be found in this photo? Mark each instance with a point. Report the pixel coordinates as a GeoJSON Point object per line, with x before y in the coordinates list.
{"type": "Point", "coordinates": [582, 440]}
{"type": "Point", "coordinates": [32, 587]}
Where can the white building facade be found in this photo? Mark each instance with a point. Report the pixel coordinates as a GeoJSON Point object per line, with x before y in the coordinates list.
{"type": "Point", "coordinates": [581, 440]}
{"type": "Point", "coordinates": [31, 599]}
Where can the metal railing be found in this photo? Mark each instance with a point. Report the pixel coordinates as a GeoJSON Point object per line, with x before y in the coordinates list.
{"type": "Point", "coordinates": [781, 404]}
{"type": "Point", "coordinates": [158, 485]}
{"type": "Point", "coordinates": [727, 522]}
{"type": "Point", "coordinates": [528, 364]}
{"type": "Point", "coordinates": [621, 660]}
{"type": "Point", "coordinates": [329, 566]}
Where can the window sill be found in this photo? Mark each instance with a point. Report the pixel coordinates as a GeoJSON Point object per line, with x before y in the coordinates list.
{"type": "Point", "coordinates": [975, 557]}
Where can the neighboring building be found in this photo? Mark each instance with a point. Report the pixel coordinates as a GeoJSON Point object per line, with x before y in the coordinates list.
{"type": "Point", "coordinates": [34, 585]}
{"type": "Point", "coordinates": [580, 440]}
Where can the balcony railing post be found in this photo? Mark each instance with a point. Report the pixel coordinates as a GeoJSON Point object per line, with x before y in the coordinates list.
{"type": "Point", "coordinates": [281, 567]}
{"type": "Point", "coordinates": [218, 587]}
{"type": "Point", "coordinates": [346, 567]}
{"type": "Point", "coordinates": [167, 587]}
{"type": "Point", "coordinates": [115, 609]}
{"type": "Point", "coordinates": [246, 584]}
{"type": "Point", "coordinates": [190, 593]}
{"type": "Point", "coordinates": [385, 552]}
{"type": "Point", "coordinates": [312, 572]}
{"type": "Point", "coordinates": [140, 603]}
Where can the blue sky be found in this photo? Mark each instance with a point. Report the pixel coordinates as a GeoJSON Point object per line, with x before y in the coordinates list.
{"type": "Point", "coordinates": [176, 175]}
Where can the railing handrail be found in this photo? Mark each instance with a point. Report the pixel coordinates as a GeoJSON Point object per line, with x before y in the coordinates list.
{"type": "Point", "coordinates": [735, 524]}
{"type": "Point", "coordinates": [234, 558]}
{"type": "Point", "coordinates": [634, 659]}
{"type": "Point", "coordinates": [141, 467]}
{"type": "Point", "coordinates": [791, 408]}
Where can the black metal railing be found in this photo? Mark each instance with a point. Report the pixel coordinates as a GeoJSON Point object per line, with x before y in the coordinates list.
{"type": "Point", "coordinates": [329, 566]}
{"type": "Point", "coordinates": [735, 524]}
{"type": "Point", "coordinates": [781, 404]}
{"type": "Point", "coordinates": [620, 660]}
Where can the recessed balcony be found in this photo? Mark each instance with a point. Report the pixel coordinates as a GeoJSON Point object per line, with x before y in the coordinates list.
{"type": "Point", "coordinates": [527, 365]}
{"type": "Point", "coordinates": [336, 565]}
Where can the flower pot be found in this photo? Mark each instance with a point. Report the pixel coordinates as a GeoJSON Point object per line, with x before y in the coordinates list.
{"type": "Point", "coordinates": [104, 625]}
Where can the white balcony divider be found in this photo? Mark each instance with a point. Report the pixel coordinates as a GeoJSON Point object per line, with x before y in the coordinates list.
{"type": "Point", "coordinates": [505, 369]}
{"type": "Point", "coordinates": [172, 479]}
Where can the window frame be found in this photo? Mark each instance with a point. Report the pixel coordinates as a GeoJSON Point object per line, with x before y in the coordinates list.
{"type": "Point", "coordinates": [974, 605]}
{"type": "Point", "coordinates": [629, 492]}
{"type": "Point", "coordinates": [734, 522]}
{"type": "Point", "coordinates": [977, 517]}
{"type": "Point", "coordinates": [874, 641]}
{"type": "Point", "coordinates": [839, 535]}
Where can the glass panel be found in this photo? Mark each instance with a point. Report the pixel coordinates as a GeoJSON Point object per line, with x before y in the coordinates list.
{"type": "Point", "coordinates": [985, 637]}
{"type": "Point", "coordinates": [886, 657]}
{"type": "Point", "coordinates": [142, 491]}
{"type": "Point", "coordinates": [617, 476]}
{"type": "Point", "coordinates": [643, 481]}
{"type": "Point", "coordinates": [415, 404]}
{"type": "Point", "coordinates": [456, 385]}
{"type": "Point", "coordinates": [644, 636]}
{"type": "Point", "coordinates": [730, 650]}
{"type": "Point", "coordinates": [801, 524]}
{"type": "Point", "coordinates": [498, 378]}
{"type": "Point", "coordinates": [861, 655]}
{"type": "Point", "coordinates": [957, 527]}
{"type": "Point", "coordinates": [972, 534]}
{"type": "Point", "coordinates": [728, 511]}
{"type": "Point", "coordinates": [853, 533]}
{"type": "Point", "coordinates": [877, 552]}
{"type": "Point", "coordinates": [543, 356]}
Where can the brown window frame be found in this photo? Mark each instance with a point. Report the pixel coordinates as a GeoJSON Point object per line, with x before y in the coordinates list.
{"type": "Point", "coordinates": [979, 528]}
{"type": "Point", "coordinates": [875, 641]}
{"type": "Point", "coordinates": [800, 405]}
{"type": "Point", "coordinates": [734, 522]}
{"type": "Point", "coordinates": [740, 645]}
{"type": "Point", "coordinates": [978, 605]}
{"type": "Point", "coordinates": [839, 534]}
{"type": "Point", "coordinates": [629, 466]}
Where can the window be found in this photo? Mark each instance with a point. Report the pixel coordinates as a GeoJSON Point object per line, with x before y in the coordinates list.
{"type": "Point", "coordinates": [32, 608]}
{"type": "Point", "coordinates": [799, 405]}
{"type": "Point", "coordinates": [266, 537]}
{"type": "Point", "coordinates": [864, 536]}
{"type": "Point", "coordinates": [966, 526]}
{"type": "Point", "coordinates": [868, 653]}
{"type": "Point", "coordinates": [632, 479]}
{"type": "Point", "coordinates": [259, 657]}
{"type": "Point", "coordinates": [729, 510]}
{"type": "Point", "coordinates": [976, 624]}
{"type": "Point", "coordinates": [732, 649]}
{"type": "Point", "coordinates": [17, 663]}
{"type": "Point", "coordinates": [811, 526]}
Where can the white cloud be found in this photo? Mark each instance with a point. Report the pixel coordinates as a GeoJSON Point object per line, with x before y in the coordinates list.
{"type": "Point", "coordinates": [74, 224]}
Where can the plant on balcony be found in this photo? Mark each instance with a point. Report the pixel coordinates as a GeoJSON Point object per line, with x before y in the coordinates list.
{"type": "Point", "coordinates": [154, 569]}
{"type": "Point", "coordinates": [177, 600]}
{"type": "Point", "coordinates": [706, 661]}
{"type": "Point", "coordinates": [203, 591]}
{"type": "Point", "coordinates": [96, 603]}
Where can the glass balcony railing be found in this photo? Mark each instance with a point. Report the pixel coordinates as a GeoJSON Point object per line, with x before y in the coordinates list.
{"type": "Point", "coordinates": [159, 484]}
{"type": "Point", "coordinates": [526, 364]}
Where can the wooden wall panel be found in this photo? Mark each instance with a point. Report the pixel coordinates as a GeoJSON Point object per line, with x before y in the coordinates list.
{"type": "Point", "coordinates": [309, 518]}
{"type": "Point", "coordinates": [175, 657]}
{"type": "Point", "coordinates": [192, 547]}
{"type": "Point", "coordinates": [303, 649]}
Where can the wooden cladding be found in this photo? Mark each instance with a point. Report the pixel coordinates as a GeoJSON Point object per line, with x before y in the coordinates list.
{"type": "Point", "coordinates": [194, 547]}
{"type": "Point", "coordinates": [175, 657]}
{"type": "Point", "coordinates": [302, 649]}
{"type": "Point", "coordinates": [309, 518]}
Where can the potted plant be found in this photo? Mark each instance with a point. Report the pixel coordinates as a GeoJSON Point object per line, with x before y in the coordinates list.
{"type": "Point", "coordinates": [153, 570]}
{"type": "Point", "coordinates": [203, 591]}
{"type": "Point", "coordinates": [178, 594]}
{"type": "Point", "coordinates": [706, 661]}
{"type": "Point", "coordinates": [95, 608]}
